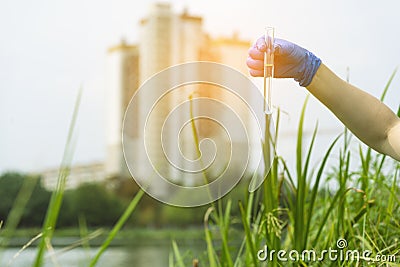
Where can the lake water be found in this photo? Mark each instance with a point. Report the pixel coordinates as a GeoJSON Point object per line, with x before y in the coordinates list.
{"type": "Point", "coordinates": [137, 255]}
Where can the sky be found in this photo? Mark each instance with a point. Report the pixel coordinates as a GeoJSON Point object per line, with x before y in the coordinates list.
{"type": "Point", "coordinates": [49, 49]}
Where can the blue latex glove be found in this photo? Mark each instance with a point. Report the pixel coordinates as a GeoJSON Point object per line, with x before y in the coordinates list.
{"type": "Point", "coordinates": [290, 61]}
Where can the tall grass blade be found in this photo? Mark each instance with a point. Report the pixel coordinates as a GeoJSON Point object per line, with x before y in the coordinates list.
{"type": "Point", "coordinates": [17, 210]}
{"type": "Point", "coordinates": [392, 198]}
{"type": "Point", "coordinates": [121, 221]}
{"type": "Point", "coordinates": [57, 195]}
{"type": "Point", "coordinates": [365, 164]}
{"type": "Point", "coordinates": [358, 216]}
{"type": "Point", "coordinates": [324, 220]}
{"type": "Point", "coordinates": [171, 260]}
{"type": "Point", "coordinates": [316, 188]}
{"type": "Point", "coordinates": [224, 224]}
{"type": "Point", "coordinates": [212, 257]}
{"type": "Point", "coordinates": [289, 175]}
{"type": "Point", "coordinates": [197, 147]}
{"type": "Point", "coordinates": [30, 242]}
{"type": "Point", "coordinates": [299, 216]}
{"type": "Point", "coordinates": [249, 239]}
{"type": "Point", "coordinates": [79, 243]}
{"type": "Point", "coordinates": [178, 257]}
{"type": "Point", "coordinates": [310, 149]}
{"type": "Point", "coordinates": [84, 234]}
{"type": "Point", "coordinates": [385, 90]}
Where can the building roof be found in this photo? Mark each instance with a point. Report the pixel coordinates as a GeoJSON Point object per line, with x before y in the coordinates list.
{"type": "Point", "coordinates": [76, 167]}
{"type": "Point", "coordinates": [234, 40]}
{"type": "Point", "coordinates": [186, 16]}
{"type": "Point", "coordinates": [143, 21]}
{"type": "Point", "coordinates": [122, 46]}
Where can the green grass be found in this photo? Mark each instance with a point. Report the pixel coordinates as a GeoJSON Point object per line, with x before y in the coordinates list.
{"type": "Point", "coordinates": [131, 207]}
{"type": "Point", "coordinates": [17, 210]}
{"type": "Point", "coordinates": [53, 210]}
{"type": "Point", "coordinates": [358, 199]}
{"type": "Point", "coordinates": [57, 195]}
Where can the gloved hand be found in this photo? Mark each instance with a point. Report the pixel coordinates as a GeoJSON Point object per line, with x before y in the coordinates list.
{"type": "Point", "coordinates": [290, 61]}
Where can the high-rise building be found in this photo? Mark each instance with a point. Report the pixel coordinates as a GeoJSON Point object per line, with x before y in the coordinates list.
{"type": "Point", "coordinates": [123, 81]}
{"type": "Point", "coordinates": [232, 51]}
{"type": "Point", "coordinates": [166, 38]}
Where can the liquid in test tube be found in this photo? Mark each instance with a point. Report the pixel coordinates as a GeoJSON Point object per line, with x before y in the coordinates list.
{"type": "Point", "coordinates": [268, 68]}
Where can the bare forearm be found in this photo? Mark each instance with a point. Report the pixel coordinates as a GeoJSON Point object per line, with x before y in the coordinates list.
{"type": "Point", "coordinates": [367, 117]}
{"type": "Point", "coordinates": [393, 143]}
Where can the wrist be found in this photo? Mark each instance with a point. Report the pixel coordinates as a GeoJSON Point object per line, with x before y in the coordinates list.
{"type": "Point", "coordinates": [309, 68]}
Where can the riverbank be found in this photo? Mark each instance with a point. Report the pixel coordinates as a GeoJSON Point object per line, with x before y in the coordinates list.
{"type": "Point", "coordinates": [95, 237]}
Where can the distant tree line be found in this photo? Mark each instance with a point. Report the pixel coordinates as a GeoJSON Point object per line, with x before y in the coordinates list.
{"type": "Point", "coordinates": [96, 203]}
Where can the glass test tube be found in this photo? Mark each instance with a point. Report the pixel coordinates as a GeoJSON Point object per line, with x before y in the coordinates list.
{"type": "Point", "coordinates": [268, 68]}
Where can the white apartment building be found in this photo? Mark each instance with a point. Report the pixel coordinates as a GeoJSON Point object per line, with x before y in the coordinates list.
{"type": "Point", "coordinates": [166, 38]}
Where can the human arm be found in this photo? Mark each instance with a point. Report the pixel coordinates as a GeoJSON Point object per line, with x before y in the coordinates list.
{"type": "Point", "coordinates": [367, 117]}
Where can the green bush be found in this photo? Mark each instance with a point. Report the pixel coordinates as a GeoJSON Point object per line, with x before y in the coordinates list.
{"type": "Point", "coordinates": [99, 206]}
{"type": "Point", "coordinates": [11, 184]}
